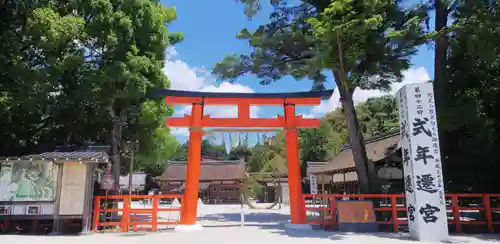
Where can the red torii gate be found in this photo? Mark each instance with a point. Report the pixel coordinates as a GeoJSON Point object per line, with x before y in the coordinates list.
{"type": "Point", "coordinates": [197, 121]}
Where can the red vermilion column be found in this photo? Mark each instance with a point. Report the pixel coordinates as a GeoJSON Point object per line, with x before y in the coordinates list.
{"type": "Point", "coordinates": [189, 205]}
{"type": "Point", "coordinates": [297, 208]}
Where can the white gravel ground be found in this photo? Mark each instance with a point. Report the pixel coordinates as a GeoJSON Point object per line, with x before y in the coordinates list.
{"type": "Point", "coordinates": [222, 226]}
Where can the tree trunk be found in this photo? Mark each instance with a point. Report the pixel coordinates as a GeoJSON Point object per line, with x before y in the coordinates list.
{"type": "Point", "coordinates": [441, 50]}
{"type": "Point", "coordinates": [116, 137]}
{"type": "Point", "coordinates": [115, 145]}
{"type": "Point", "coordinates": [367, 176]}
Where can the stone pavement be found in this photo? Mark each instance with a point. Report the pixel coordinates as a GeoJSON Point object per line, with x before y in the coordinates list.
{"type": "Point", "coordinates": [222, 226]}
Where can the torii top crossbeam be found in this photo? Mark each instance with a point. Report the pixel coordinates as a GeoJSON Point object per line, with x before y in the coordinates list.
{"type": "Point", "coordinates": [243, 101]}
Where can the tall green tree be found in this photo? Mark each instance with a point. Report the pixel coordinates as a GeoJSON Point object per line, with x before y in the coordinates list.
{"type": "Point", "coordinates": [363, 44]}
{"type": "Point", "coordinates": [126, 42]}
{"type": "Point", "coordinates": [78, 73]}
{"type": "Point", "coordinates": [38, 58]}
{"type": "Point", "coordinates": [470, 118]}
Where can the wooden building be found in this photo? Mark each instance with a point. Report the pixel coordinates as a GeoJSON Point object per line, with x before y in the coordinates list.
{"type": "Point", "coordinates": [275, 186]}
{"type": "Point", "coordinates": [339, 175]}
{"type": "Point", "coordinates": [219, 180]}
{"type": "Point", "coordinates": [49, 192]}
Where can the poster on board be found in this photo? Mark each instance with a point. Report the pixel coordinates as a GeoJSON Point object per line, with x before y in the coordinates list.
{"type": "Point", "coordinates": [28, 181]}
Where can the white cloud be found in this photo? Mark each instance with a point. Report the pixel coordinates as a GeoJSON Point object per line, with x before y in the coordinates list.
{"type": "Point", "coordinates": [183, 77]}
{"type": "Point", "coordinates": [309, 116]}
{"type": "Point", "coordinates": [418, 75]}
{"type": "Point", "coordinates": [179, 131]}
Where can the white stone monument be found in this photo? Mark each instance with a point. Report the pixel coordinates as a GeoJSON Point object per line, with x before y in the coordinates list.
{"type": "Point", "coordinates": [421, 156]}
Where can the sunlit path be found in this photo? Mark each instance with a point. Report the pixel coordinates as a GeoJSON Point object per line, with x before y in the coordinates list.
{"type": "Point", "coordinates": [222, 226]}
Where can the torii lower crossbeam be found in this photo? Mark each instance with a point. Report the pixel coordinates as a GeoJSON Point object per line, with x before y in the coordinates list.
{"type": "Point", "coordinates": [197, 121]}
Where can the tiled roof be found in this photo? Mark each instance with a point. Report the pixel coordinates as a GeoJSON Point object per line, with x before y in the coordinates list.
{"type": "Point", "coordinates": [210, 171]}
{"type": "Point", "coordinates": [376, 149]}
{"type": "Point", "coordinates": [83, 156]}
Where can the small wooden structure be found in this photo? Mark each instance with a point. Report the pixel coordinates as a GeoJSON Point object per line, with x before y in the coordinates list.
{"type": "Point", "coordinates": [275, 186]}
{"type": "Point", "coordinates": [339, 175]}
{"type": "Point", "coordinates": [219, 180]}
{"type": "Point", "coordinates": [48, 192]}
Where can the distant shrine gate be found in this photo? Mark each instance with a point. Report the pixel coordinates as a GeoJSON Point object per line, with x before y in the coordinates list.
{"type": "Point", "coordinates": [197, 121]}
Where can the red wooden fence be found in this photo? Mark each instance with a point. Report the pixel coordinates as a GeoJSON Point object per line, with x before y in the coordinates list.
{"type": "Point", "coordinates": [330, 211]}
{"type": "Point", "coordinates": [128, 215]}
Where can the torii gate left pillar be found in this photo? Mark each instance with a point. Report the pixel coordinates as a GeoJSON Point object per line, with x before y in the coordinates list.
{"type": "Point", "coordinates": [197, 121]}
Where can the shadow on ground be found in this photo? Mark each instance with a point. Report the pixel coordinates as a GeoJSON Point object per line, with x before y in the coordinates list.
{"type": "Point", "coordinates": [275, 223]}
{"type": "Point", "coordinates": [281, 230]}
{"type": "Point", "coordinates": [269, 218]}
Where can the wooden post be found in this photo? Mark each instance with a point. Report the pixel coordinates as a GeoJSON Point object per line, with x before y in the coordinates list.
{"type": "Point", "coordinates": [456, 213]}
{"type": "Point", "coordinates": [190, 201]}
{"type": "Point", "coordinates": [297, 205]}
{"type": "Point", "coordinates": [125, 220]}
{"type": "Point", "coordinates": [56, 225]}
{"type": "Point", "coordinates": [394, 210]}
{"type": "Point", "coordinates": [487, 212]}
{"type": "Point", "coordinates": [333, 206]}
{"type": "Point", "coordinates": [97, 207]}
{"type": "Point", "coordinates": [154, 214]}
{"type": "Point", "coordinates": [89, 190]}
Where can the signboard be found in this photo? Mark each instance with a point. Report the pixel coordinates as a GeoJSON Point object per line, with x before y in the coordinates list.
{"type": "Point", "coordinates": [313, 184]}
{"type": "Point", "coordinates": [356, 212]}
{"type": "Point", "coordinates": [28, 181]}
{"type": "Point", "coordinates": [422, 169]}
{"type": "Point", "coordinates": [356, 216]}
{"type": "Point", "coordinates": [73, 186]}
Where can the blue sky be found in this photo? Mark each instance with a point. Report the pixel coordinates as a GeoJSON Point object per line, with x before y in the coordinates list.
{"type": "Point", "coordinates": [209, 29]}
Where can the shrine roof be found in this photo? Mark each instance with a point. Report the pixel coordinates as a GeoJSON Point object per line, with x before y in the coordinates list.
{"type": "Point", "coordinates": [210, 171]}
{"type": "Point", "coordinates": [80, 156]}
{"type": "Point", "coordinates": [377, 148]}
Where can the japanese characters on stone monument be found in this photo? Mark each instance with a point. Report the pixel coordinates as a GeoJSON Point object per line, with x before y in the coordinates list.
{"type": "Point", "coordinates": [421, 157]}
{"type": "Point", "coordinates": [313, 184]}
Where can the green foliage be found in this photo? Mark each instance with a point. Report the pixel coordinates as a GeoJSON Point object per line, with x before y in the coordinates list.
{"type": "Point", "coordinates": [317, 144]}
{"type": "Point", "coordinates": [470, 114]}
{"type": "Point", "coordinates": [260, 156]}
{"type": "Point", "coordinates": [376, 39]}
{"type": "Point", "coordinates": [239, 152]}
{"type": "Point", "coordinates": [69, 68]}
{"type": "Point", "coordinates": [208, 150]}
{"type": "Point", "coordinates": [368, 43]}
{"type": "Point", "coordinates": [364, 44]}
{"type": "Point", "coordinates": [378, 116]}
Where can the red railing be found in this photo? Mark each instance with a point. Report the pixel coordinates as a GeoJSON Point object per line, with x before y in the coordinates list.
{"type": "Point", "coordinates": [129, 216]}
{"type": "Point", "coordinates": [456, 207]}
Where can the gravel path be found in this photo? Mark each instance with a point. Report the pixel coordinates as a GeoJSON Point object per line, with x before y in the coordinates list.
{"type": "Point", "coordinates": [222, 226]}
